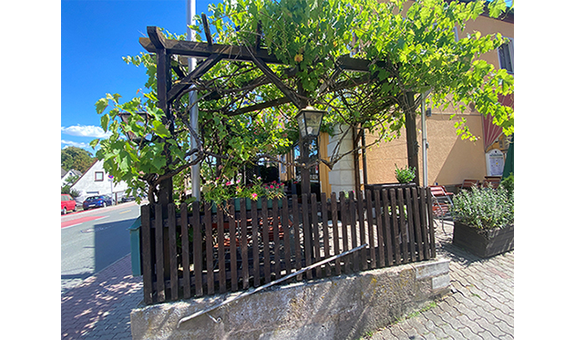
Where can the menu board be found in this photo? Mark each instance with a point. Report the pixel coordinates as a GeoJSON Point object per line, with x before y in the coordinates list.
{"type": "Point", "coordinates": [495, 162]}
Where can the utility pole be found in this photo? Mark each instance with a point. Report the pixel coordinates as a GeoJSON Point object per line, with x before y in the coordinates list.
{"type": "Point", "coordinates": [190, 14]}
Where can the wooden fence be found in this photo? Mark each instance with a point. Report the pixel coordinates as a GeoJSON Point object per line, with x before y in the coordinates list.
{"type": "Point", "coordinates": [193, 251]}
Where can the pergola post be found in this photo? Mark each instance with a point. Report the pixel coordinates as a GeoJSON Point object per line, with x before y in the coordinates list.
{"type": "Point", "coordinates": [411, 134]}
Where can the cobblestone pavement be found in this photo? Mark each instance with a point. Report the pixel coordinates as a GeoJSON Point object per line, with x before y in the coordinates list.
{"type": "Point", "coordinates": [479, 307]}
{"type": "Point", "coordinates": [99, 308]}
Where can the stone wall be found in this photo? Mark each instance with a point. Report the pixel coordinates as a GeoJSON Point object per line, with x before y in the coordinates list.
{"type": "Point", "coordinates": [344, 307]}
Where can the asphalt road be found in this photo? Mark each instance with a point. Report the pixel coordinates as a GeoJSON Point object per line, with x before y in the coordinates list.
{"type": "Point", "coordinates": [94, 239]}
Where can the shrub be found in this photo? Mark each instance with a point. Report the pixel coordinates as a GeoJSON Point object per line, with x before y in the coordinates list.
{"type": "Point", "coordinates": [483, 208]}
{"type": "Point", "coordinates": [404, 175]}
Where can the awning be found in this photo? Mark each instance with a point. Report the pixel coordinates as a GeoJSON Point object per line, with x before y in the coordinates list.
{"type": "Point", "coordinates": [491, 132]}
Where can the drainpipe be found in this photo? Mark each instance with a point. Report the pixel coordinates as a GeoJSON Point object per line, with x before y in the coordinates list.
{"type": "Point", "coordinates": [424, 137]}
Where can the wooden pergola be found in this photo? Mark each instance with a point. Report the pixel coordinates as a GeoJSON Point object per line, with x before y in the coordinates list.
{"type": "Point", "coordinates": [168, 92]}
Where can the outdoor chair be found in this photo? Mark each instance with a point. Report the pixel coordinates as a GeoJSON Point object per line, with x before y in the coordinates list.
{"type": "Point", "coordinates": [441, 203]}
{"type": "Point", "coordinates": [492, 182]}
{"type": "Point", "coordinates": [468, 184]}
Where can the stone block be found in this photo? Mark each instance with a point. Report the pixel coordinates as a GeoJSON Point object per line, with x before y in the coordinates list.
{"type": "Point", "coordinates": [440, 282]}
{"type": "Point", "coordinates": [431, 268]}
{"type": "Point", "coordinates": [343, 307]}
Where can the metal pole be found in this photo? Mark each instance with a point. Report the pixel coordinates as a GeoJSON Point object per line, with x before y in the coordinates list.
{"type": "Point", "coordinates": [190, 13]}
{"type": "Point", "coordinates": [424, 135]}
{"type": "Point", "coordinates": [424, 138]}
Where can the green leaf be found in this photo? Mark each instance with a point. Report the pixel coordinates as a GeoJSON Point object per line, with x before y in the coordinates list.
{"type": "Point", "coordinates": [160, 129]}
{"type": "Point", "coordinates": [94, 143]}
{"type": "Point", "coordinates": [104, 122]}
{"type": "Point", "coordinates": [101, 105]}
{"type": "Point", "coordinates": [496, 7]}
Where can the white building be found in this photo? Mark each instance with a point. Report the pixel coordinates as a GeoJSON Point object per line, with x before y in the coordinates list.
{"type": "Point", "coordinates": [68, 174]}
{"type": "Point", "coordinates": [96, 181]}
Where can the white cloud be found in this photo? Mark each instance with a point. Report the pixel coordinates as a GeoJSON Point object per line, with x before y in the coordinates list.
{"type": "Point", "coordinates": [76, 144]}
{"type": "Point", "coordinates": [85, 131]}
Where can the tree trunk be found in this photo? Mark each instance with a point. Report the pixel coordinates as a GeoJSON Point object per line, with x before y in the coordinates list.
{"type": "Point", "coordinates": [411, 133]}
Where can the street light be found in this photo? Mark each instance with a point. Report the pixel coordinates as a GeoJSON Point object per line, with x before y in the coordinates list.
{"type": "Point", "coordinates": [309, 123]}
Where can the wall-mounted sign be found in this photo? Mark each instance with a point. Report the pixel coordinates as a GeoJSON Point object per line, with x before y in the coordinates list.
{"type": "Point", "coordinates": [495, 162]}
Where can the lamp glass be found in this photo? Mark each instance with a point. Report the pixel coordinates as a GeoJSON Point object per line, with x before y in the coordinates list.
{"type": "Point", "coordinates": [309, 122]}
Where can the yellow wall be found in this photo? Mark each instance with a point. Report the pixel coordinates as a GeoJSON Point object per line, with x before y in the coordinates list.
{"type": "Point", "coordinates": [450, 160]}
{"type": "Point", "coordinates": [323, 169]}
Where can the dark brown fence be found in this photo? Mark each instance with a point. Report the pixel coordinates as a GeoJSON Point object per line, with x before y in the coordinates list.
{"type": "Point", "coordinates": [193, 251]}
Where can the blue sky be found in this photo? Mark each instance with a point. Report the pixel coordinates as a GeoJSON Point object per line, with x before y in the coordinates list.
{"type": "Point", "coordinates": [95, 35]}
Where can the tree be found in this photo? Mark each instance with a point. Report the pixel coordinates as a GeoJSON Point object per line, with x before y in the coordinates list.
{"type": "Point", "coordinates": [247, 108]}
{"type": "Point", "coordinates": [76, 158]}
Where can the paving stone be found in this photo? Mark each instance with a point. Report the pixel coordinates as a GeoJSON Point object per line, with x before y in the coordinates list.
{"type": "Point", "coordinates": [99, 307]}
{"type": "Point", "coordinates": [481, 306]}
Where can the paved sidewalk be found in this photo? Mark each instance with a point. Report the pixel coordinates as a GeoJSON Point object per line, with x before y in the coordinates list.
{"type": "Point", "coordinates": [479, 307]}
{"type": "Point", "coordinates": [99, 308]}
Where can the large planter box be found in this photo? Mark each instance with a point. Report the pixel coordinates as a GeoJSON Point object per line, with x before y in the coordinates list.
{"type": "Point", "coordinates": [483, 243]}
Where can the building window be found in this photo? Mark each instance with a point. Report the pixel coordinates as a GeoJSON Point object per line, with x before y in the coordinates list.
{"type": "Point", "coordinates": [505, 52]}
{"type": "Point", "coordinates": [99, 176]}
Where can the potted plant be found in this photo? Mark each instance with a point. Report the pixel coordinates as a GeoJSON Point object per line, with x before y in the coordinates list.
{"type": "Point", "coordinates": [404, 175]}
{"type": "Point", "coordinates": [483, 221]}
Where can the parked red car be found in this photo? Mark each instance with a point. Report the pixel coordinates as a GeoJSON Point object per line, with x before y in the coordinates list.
{"type": "Point", "coordinates": [68, 204]}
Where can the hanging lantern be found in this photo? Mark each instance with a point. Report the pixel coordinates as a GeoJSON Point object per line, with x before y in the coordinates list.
{"type": "Point", "coordinates": [309, 122]}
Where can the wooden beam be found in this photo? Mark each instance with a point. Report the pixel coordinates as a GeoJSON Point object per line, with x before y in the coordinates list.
{"type": "Point", "coordinates": [207, 29]}
{"type": "Point", "coordinates": [239, 53]}
{"type": "Point", "coordinates": [276, 80]}
{"type": "Point", "coordinates": [260, 106]}
{"type": "Point", "coordinates": [156, 37]}
{"type": "Point", "coordinates": [203, 50]}
{"type": "Point", "coordinates": [199, 71]}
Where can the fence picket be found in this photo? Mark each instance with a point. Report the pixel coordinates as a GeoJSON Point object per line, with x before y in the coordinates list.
{"type": "Point", "coordinates": [209, 249]}
{"type": "Point", "coordinates": [335, 229]}
{"type": "Point", "coordinates": [184, 239]}
{"type": "Point", "coordinates": [147, 266]}
{"type": "Point", "coordinates": [410, 226]}
{"type": "Point", "coordinates": [353, 226]}
{"type": "Point", "coordinates": [276, 236]}
{"type": "Point", "coordinates": [387, 227]}
{"type": "Point", "coordinates": [344, 222]}
{"type": "Point", "coordinates": [233, 247]}
{"type": "Point", "coordinates": [402, 228]}
{"type": "Point", "coordinates": [401, 217]}
{"type": "Point", "coordinates": [296, 230]}
{"type": "Point", "coordinates": [381, 225]}
{"type": "Point", "coordinates": [244, 244]}
{"type": "Point", "coordinates": [430, 227]}
{"type": "Point", "coordinates": [255, 244]}
{"type": "Point", "coordinates": [159, 253]}
{"type": "Point", "coordinates": [424, 232]}
{"type": "Point", "coordinates": [173, 259]}
{"type": "Point", "coordinates": [370, 224]}
{"type": "Point", "coordinates": [287, 235]}
{"type": "Point", "coordinates": [221, 252]}
{"type": "Point", "coordinates": [315, 233]}
{"type": "Point", "coordinates": [266, 242]}
{"type": "Point", "coordinates": [361, 218]}
{"type": "Point", "coordinates": [326, 232]}
{"type": "Point", "coordinates": [307, 250]}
